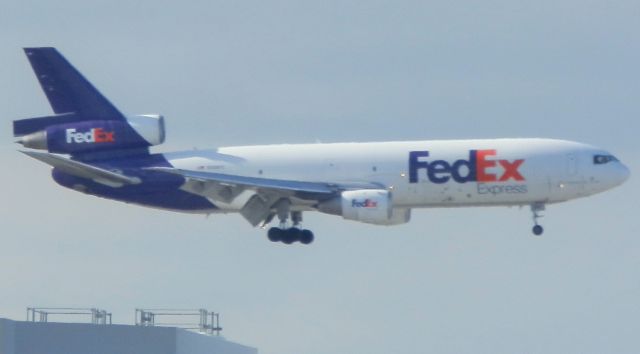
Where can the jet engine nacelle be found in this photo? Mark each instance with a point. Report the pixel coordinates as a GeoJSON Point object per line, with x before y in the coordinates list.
{"type": "Point", "coordinates": [149, 126]}
{"type": "Point", "coordinates": [371, 206]}
{"type": "Point", "coordinates": [98, 135]}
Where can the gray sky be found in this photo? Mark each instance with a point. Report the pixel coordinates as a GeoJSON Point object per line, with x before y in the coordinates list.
{"type": "Point", "coordinates": [250, 72]}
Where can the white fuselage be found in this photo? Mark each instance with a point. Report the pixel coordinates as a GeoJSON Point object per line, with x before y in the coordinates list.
{"type": "Point", "coordinates": [445, 173]}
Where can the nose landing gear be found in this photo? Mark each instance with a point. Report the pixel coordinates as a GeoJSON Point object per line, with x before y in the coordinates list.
{"type": "Point", "coordinates": [536, 209]}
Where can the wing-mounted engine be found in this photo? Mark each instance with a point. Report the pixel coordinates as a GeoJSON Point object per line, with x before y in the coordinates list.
{"type": "Point", "coordinates": [371, 206]}
{"type": "Point", "coordinates": [56, 134]}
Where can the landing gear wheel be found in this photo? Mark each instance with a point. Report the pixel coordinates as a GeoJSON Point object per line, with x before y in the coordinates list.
{"type": "Point", "coordinates": [538, 230]}
{"type": "Point", "coordinates": [306, 237]}
{"type": "Point", "coordinates": [536, 209]}
{"type": "Point", "coordinates": [285, 234]}
{"type": "Point", "coordinates": [274, 234]}
{"type": "Point", "coordinates": [291, 235]}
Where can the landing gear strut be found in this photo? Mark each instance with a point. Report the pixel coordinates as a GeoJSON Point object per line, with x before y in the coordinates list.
{"type": "Point", "coordinates": [536, 209]}
{"type": "Point", "coordinates": [289, 235]}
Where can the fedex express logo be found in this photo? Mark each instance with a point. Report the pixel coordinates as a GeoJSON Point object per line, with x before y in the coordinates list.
{"type": "Point", "coordinates": [95, 135]}
{"type": "Point", "coordinates": [367, 203]}
{"type": "Point", "coordinates": [479, 167]}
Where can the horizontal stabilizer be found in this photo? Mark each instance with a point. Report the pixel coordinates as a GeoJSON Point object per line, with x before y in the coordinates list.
{"type": "Point", "coordinates": [66, 89]}
{"type": "Point", "coordinates": [83, 170]}
{"type": "Point", "coordinates": [31, 125]}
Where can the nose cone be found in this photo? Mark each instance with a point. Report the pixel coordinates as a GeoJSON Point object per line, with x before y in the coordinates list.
{"type": "Point", "coordinates": [623, 174]}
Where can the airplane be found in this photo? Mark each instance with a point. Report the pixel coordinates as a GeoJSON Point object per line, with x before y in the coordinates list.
{"type": "Point", "coordinates": [95, 149]}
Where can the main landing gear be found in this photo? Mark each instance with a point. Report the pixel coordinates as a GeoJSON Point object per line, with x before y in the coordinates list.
{"type": "Point", "coordinates": [289, 235]}
{"type": "Point", "coordinates": [536, 209]}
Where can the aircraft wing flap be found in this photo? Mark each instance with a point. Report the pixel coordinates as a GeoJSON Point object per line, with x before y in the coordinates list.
{"type": "Point", "coordinates": [83, 170]}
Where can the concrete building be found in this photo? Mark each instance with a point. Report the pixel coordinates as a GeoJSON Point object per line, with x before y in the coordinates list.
{"type": "Point", "coordinates": [19, 337]}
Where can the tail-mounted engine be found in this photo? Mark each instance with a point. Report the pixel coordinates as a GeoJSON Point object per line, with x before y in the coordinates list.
{"type": "Point", "coordinates": [61, 134]}
{"type": "Point", "coordinates": [372, 206]}
{"type": "Point", "coordinates": [85, 122]}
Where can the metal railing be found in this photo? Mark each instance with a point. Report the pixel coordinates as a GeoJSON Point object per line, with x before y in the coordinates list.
{"type": "Point", "coordinates": [99, 317]}
{"type": "Point", "coordinates": [202, 320]}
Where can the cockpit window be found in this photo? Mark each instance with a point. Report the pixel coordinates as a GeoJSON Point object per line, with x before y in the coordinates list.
{"type": "Point", "coordinates": [602, 159]}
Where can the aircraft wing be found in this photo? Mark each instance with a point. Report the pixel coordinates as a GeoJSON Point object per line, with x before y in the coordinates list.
{"type": "Point", "coordinates": [225, 188]}
{"type": "Point", "coordinates": [252, 182]}
{"type": "Point", "coordinates": [257, 183]}
{"type": "Point", "coordinates": [76, 168]}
